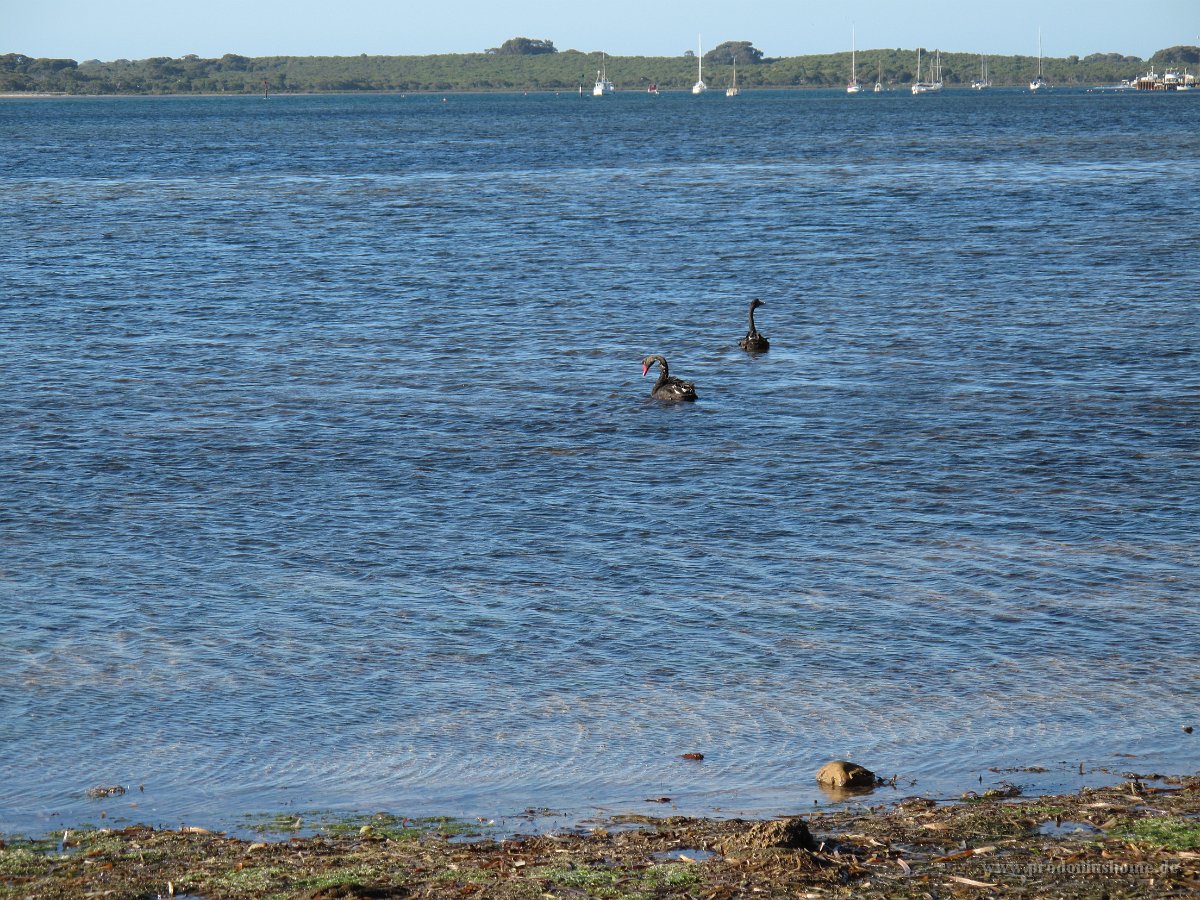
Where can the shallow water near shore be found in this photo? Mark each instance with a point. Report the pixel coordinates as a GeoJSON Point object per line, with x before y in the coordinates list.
{"type": "Point", "coordinates": [330, 479]}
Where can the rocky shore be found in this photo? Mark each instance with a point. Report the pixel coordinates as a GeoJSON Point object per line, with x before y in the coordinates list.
{"type": "Point", "coordinates": [1138, 839]}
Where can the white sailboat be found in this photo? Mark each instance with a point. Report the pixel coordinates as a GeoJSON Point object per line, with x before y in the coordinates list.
{"type": "Point", "coordinates": [699, 87]}
{"type": "Point", "coordinates": [879, 79]}
{"type": "Point", "coordinates": [982, 81]}
{"type": "Point", "coordinates": [1039, 82]}
{"type": "Point", "coordinates": [929, 87]}
{"type": "Point", "coordinates": [853, 87]}
{"type": "Point", "coordinates": [603, 86]}
{"type": "Point", "coordinates": [733, 90]}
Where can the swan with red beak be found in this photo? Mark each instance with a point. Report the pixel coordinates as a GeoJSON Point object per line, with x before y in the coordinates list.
{"type": "Point", "coordinates": [668, 387]}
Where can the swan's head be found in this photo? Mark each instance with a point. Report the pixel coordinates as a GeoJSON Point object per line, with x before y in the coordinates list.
{"type": "Point", "coordinates": [648, 361]}
{"type": "Point", "coordinates": [756, 303]}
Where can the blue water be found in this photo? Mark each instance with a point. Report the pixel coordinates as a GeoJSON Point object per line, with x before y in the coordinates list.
{"type": "Point", "coordinates": [330, 479]}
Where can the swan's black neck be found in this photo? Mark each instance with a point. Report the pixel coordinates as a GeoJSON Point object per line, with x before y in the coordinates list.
{"type": "Point", "coordinates": [662, 372]}
{"type": "Point", "coordinates": [752, 328]}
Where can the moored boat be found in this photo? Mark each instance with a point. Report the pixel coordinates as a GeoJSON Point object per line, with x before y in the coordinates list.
{"type": "Point", "coordinates": [699, 87]}
{"type": "Point", "coordinates": [982, 81]}
{"type": "Point", "coordinates": [929, 87]}
{"type": "Point", "coordinates": [603, 86]}
{"type": "Point", "coordinates": [853, 87]}
{"type": "Point", "coordinates": [1039, 80]}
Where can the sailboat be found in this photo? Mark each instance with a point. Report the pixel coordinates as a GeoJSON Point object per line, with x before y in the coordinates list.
{"type": "Point", "coordinates": [853, 87]}
{"type": "Point", "coordinates": [879, 79]}
{"type": "Point", "coordinates": [699, 87]}
{"type": "Point", "coordinates": [928, 87]}
{"type": "Point", "coordinates": [733, 90]}
{"type": "Point", "coordinates": [982, 81]}
{"type": "Point", "coordinates": [602, 86]}
{"type": "Point", "coordinates": [1039, 82]}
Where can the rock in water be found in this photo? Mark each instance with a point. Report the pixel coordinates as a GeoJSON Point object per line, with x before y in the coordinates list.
{"type": "Point", "coordinates": [95, 793]}
{"type": "Point", "coordinates": [840, 773]}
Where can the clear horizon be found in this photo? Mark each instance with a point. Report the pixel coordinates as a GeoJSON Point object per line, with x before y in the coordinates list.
{"type": "Point", "coordinates": [139, 29]}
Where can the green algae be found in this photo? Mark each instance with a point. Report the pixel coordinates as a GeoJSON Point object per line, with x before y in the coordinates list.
{"type": "Point", "coordinates": [1168, 832]}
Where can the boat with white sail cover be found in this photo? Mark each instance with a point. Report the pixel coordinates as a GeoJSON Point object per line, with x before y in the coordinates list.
{"type": "Point", "coordinates": [929, 87]}
{"type": "Point", "coordinates": [1039, 80]}
{"type": "Point", "coordinates": [853, 87]}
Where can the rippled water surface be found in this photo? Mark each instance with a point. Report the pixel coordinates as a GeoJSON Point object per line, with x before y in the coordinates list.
{"type": "Point", "coordinates": [330, 478]}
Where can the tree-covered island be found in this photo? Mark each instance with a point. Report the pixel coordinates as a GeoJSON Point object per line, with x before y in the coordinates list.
{"type": "Point", "coordinates": [525, 64]}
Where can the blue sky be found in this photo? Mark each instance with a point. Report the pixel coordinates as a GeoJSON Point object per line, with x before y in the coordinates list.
{"type": "Point", "coordinates": [136, 29]}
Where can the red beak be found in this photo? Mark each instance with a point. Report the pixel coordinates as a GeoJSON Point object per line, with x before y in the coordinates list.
{"type": "Point", "coordinates": [645, 369]}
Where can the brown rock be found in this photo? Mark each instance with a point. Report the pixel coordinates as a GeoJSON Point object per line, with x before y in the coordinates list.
{"type": "Point", "coordinates": [840, 773]}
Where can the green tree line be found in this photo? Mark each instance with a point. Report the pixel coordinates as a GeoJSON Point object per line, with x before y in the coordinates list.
{"type": "Point", "coordinates": [537, 66]}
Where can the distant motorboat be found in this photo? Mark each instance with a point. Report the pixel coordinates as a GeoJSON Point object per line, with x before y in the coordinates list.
{"type": "Point", "coordinates": [603, 86]}
{"type": "Point", "coordinates": [653, 89]}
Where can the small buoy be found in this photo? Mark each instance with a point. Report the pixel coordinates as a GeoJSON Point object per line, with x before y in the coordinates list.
{"type": "Point", "coordinates": [693, 756]}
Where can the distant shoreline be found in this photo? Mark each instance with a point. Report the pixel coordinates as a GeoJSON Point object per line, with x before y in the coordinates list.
{"type": "Point", "coordinates": [560, 71]}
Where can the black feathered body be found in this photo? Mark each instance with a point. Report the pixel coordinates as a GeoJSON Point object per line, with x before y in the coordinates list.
{"type": "Point", "coordinates": [668, 387]}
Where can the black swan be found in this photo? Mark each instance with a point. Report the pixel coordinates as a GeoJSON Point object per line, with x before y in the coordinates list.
{"type": "Point", "coordinates": [754, 342]}
{"type": "Point", "coordinates": [668, 387]}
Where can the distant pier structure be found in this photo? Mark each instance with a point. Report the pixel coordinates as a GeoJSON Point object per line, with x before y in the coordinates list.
{"type": "Point", "coordinates": [1171, 80]}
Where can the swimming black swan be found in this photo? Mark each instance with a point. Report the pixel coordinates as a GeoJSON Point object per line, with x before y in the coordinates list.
{"type": "Point", "coordinates": [754, 342]}
{"type": "Point", "coordinates": [668, 387]}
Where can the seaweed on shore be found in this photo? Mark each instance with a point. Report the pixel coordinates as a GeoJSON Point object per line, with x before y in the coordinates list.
{"type": "Point", "coordinates": [1133, 840]}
